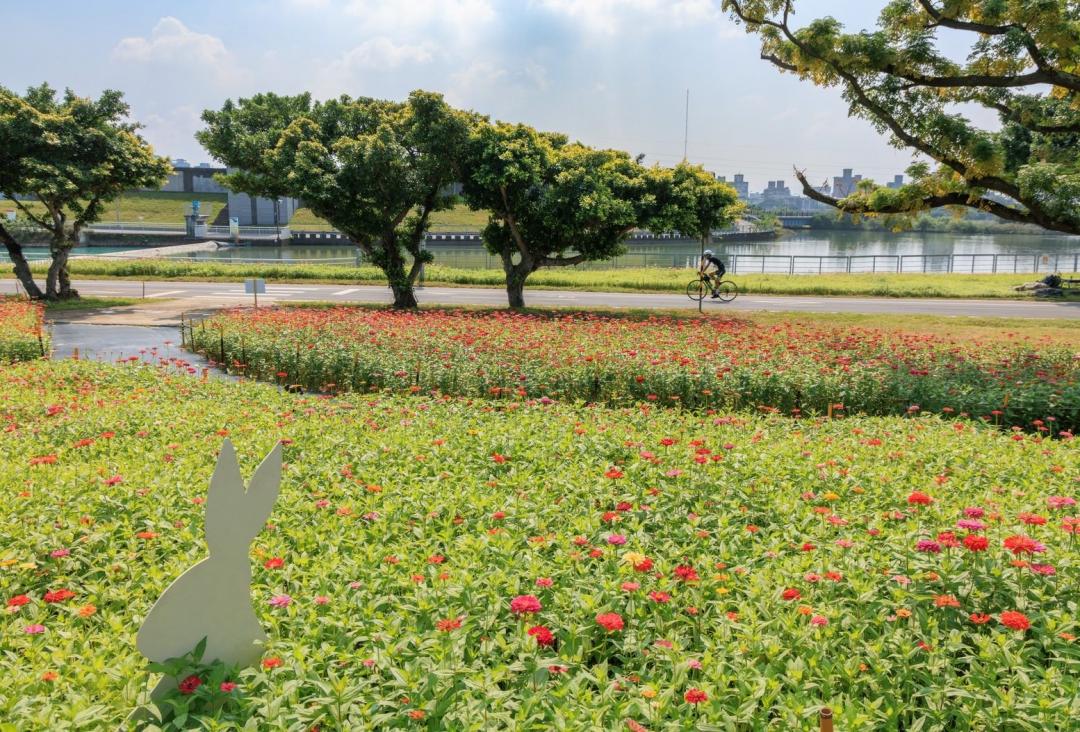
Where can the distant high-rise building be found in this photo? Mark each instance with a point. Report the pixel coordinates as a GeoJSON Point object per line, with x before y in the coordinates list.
{"type": "Point", "coordinates": [897, 182]}
{"type": "Point", "coordinates": [742, 188]}
{"type": "Point", "coordinates": [844, 185]}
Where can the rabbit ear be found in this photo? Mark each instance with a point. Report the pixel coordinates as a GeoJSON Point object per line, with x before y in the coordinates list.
{"type": "Point", "coordinates": [224, 503]}
{"type": "Point", "coordinates": [263, 490]}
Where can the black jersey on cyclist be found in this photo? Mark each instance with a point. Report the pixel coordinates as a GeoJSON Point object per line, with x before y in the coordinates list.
{"type": "Point", "coordinates": [711, 260]}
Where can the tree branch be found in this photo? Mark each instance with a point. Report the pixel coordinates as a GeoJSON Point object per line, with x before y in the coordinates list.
{"type": "Point", "coordinates": [512, 224]}
{"type": "Point", "coordinates": [940, 19]}
{"type": "Point", "coordinates": [958, 198]}
{"type": "Point", "coordinates": [864, 100]}
{"type": "Point", "coordinates": [29, 214]}
{"type": "Point", "coordinates": [1017, 116]}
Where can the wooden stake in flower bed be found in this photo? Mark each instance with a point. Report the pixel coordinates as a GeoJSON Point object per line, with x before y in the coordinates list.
{"type": "Point", "coordinates": [212, 600]}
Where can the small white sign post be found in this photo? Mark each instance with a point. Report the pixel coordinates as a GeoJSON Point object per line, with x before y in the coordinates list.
{"type": "Point", "coordinates": [253, 286]}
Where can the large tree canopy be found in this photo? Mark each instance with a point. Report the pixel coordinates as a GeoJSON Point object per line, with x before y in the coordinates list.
{"type": "Point", "coordinates": [1024, 63]}
{"type": "Point", "coordinates": [557, 204]}
{"type": "Point", "coordinates": [73, 155]}
{"type": "Point", "coordinates": [374, 169]}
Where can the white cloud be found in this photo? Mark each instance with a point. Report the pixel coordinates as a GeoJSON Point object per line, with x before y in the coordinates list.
{"type": "Point", "coordinates": [608, 17]}
{"type": "Point", "coordinates": [485, 83]}
{"type": "Point", "coordinates": [383, 53]}
{"type": "Point", "coordinates": [458, 18]}
{"type": "Point", "coordinates": [171, 41]}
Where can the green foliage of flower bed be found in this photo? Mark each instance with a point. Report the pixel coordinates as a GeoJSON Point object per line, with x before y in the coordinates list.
{"type": "Point", "coordinates": [21, 334]}
{"type": "Point", "coordinates": [690, 569]}
{"type": "Point", "coordinates": [703, 363]}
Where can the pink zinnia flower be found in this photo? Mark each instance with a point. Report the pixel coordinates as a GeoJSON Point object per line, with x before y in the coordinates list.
{"type": "Point", "coordinates": [616, 539]}
{"type": "Point", "coordinates": [34, 629]}
{"type": "Point", "coordinates": [525, 605]}
{"type": "Point", "coordinates": [280, 601]}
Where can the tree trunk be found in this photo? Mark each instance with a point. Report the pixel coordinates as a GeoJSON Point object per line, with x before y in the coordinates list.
{"type": "Point", "coordinates": [20, 266]}
{"type": "Point", "coordinates": [58, 280]}
{"type": "Point", "coordinates": [516, 274]}
{"type": "Point", "coordinates": [404, 297]}
{"type": "Point", "coordinates": [401, 283]}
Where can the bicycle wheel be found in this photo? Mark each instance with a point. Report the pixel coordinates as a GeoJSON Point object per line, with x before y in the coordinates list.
{"type": "Point", "coordinates": [727, 290]}
{"type": "Point", "coordinates": [696, 290]}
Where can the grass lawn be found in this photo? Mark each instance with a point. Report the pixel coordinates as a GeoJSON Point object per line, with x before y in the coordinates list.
{"type": "Point", "coordinates": [91, 303]}
{"type": "Point", "coordinates": [460, 218]}
{"type": "Point", "coordinates": [149, 206]}
{"type": "Point", "coordinates": [621, 280]}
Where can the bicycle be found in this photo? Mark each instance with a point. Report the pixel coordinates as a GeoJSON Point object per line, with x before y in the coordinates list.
{"type": "Point", "coordinates": [726, 290]}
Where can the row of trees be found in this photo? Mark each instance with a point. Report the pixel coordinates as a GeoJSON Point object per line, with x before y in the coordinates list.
{"type": "Point", "coordinates": [377, 170]}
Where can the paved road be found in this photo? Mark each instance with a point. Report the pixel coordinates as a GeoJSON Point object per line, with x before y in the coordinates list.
{"type": "Point", "coordinates": [198, 295]}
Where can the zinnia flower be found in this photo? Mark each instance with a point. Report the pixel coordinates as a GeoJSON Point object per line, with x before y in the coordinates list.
{"type": "Point", "coordinates": [190, 684]}
{"type": "Point", "coordinates": [919, 498]}
{"type": "Point", "coordinates": [819, 620]}
{"type": "Point", "coordinates": [695, 696]}
{"type": "Point", "coordinates": [280, 601]}
{"type": "Point", "coordinates": [1019, 544]}
{"type": "Point", "coordinates": [976, 543]}
{"type": "Point", "coordinates": [610, 621]}
{"type": "Point", "coordinates": [1014, 620]}
{"type": "Point", "coordinates": [448, 624]}
{"type": "Point", "coordinates": [791, 594]}
{"type": "Point", "coordinates": [525, 604]}
{"type": "Point", "coordinates": [544, 637]}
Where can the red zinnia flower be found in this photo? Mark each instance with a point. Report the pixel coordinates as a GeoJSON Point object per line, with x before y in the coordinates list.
{"type": "Point", "coordinates": [791, 594]}
{"type": "Point", "coordinates": [59, 595]}
{"type": "Point", "coordinates": [660, 597]}
{"type": "Point", "coordinates": [543, 636]}
{"type": "Point", "coordinates": [979, 618]}
{"type": "Point", "coordinates": [448, 624]}
{"type": "Point", "coordinates": [18, 601]}
{"type": "Point", "coordinates": [919, 498]}
{"type": "Point", "coordinates": [190, 684]}
{"type": "Point", "coordinates": [272, 662]}
{"type": "Point", "coordinates": [525, 604]}
{"type": "Point", "coordinates": [1019, 544]}
{"type": "Point", "coordinates": [1014, 620]}
{"type": "Point", "coordinates": [976, 543]}
{"type": "Point", "coordinates": [227, 686]}
{"type": "Point", "coordinates": [946, 601]}
{"type": "Point", "coordinates": [686, 573]}
{"type": "Point", "coordinates": [274, 563]}
{"type": "Point", "coordinates": [613, 473]}
{"type": "Point", "coordinates": [610, 621]}
{"type": "Point", "coordinates": [695, 696]}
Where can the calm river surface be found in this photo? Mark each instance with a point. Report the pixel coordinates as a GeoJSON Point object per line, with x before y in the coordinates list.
{"type": "Point", "coordinates": [681, 253]}
{"type": "Point", "coordinates": [684, 253]}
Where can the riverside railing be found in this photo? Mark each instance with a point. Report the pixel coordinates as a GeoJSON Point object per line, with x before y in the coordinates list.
{"type": "Point", "coordinates": [737, 264]}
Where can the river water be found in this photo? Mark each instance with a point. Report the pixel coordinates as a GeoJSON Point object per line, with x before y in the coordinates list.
{"type": "Point", "coordinates": [682, 253]}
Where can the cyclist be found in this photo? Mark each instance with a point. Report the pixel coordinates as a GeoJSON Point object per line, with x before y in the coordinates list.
{"type": "Point", "coordinates": [709, 261]}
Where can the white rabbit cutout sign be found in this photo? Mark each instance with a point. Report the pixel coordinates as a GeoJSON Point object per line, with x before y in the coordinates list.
{"type": "Point", "coordinates": [212, 599]}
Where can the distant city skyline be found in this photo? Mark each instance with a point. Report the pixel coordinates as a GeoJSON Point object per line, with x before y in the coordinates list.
{"type": "Point", "coordinates": [610, 73]}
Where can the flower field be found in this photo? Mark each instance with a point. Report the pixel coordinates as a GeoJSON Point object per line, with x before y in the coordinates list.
{"type": "Point", "coordinates": [707, 363]}
{"type": "Point", "coordinates": [446, 562]}
{"type": "Point", "coordinates": [21, 336]}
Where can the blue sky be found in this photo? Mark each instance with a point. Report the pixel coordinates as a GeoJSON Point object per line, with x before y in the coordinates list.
{"type": "Point", "coordinates": [610, 73]}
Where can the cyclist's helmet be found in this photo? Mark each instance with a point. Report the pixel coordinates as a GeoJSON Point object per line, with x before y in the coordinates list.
{"type": "Point", "coordinates": [707, 252]}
